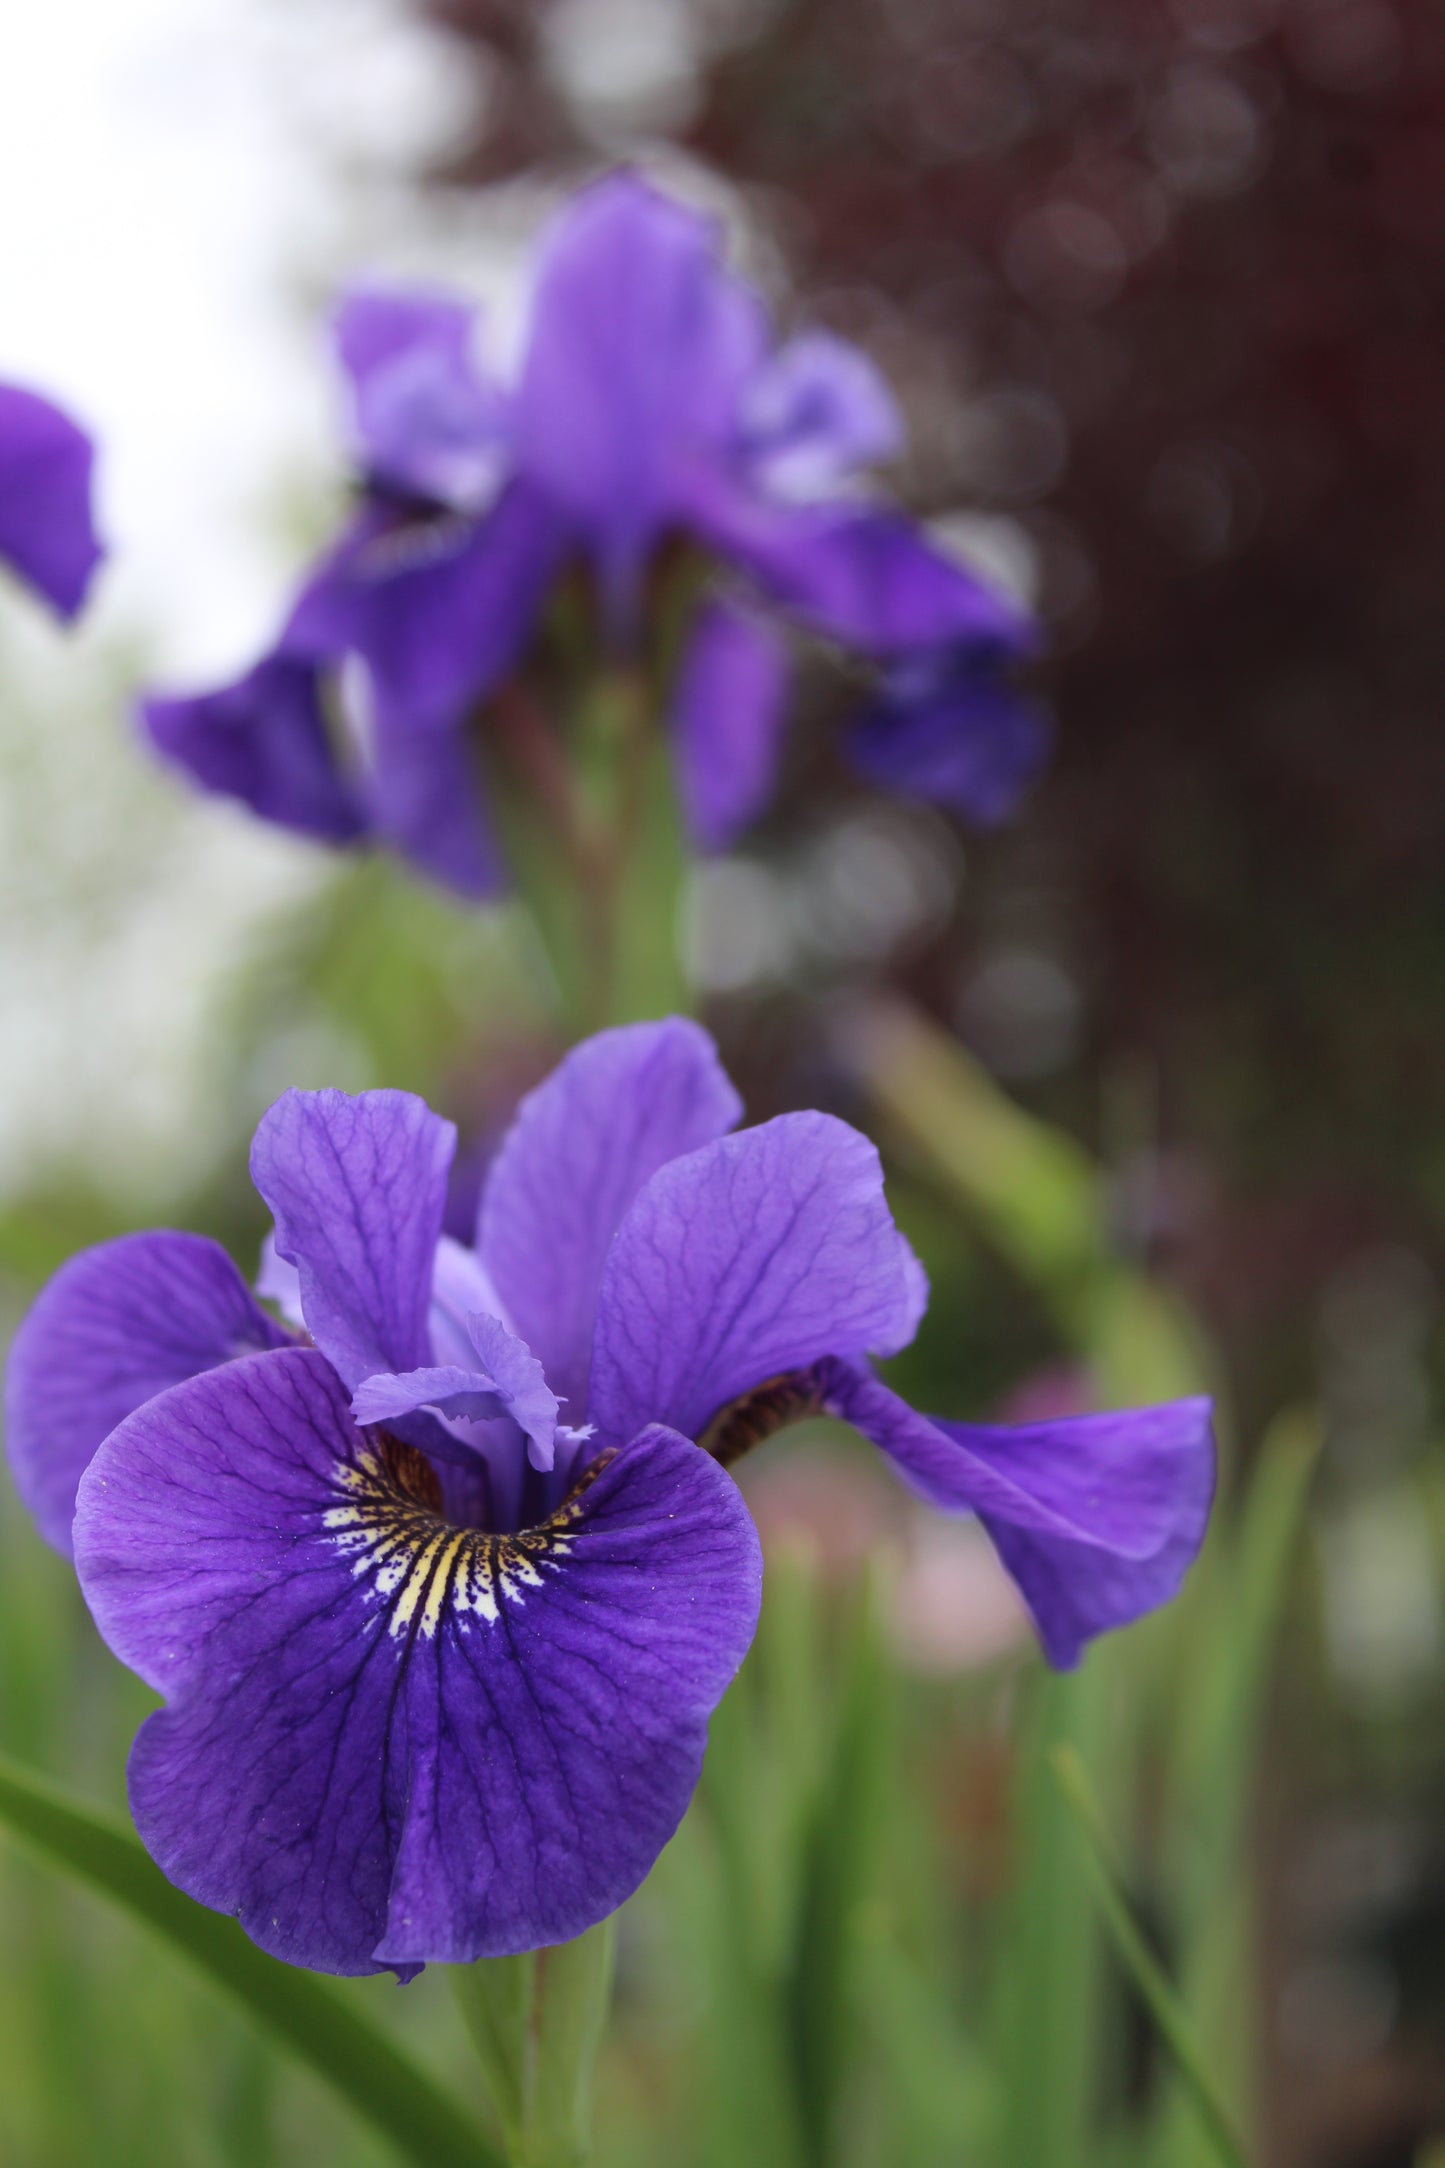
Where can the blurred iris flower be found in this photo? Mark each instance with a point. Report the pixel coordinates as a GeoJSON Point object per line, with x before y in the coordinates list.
{"type": "Point", "coordinates": [438, 1666]}
{"type": "Point", "coordinates": [47, 528]}
{"type": "Point", "coordinates": [660, 438]}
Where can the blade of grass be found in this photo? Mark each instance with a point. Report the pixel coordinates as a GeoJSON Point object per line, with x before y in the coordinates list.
{"type": "Point", "coordinates": [537, 2022]}
{"type": "Point", "coordinates": [1210, 1781]}
{"type": "Point", "coordinates": [1048, 2010]}
{"type": "Point", "coordinates": [840, 1867]}
{"type": "Point", "coordinates": [943, 2090]}
{"type": "Point", "coordinates": [1032, 1190]}
{"type": "Point", "coordinates": [734, 1876]}
{"type": "Point", "coordinates": [1159, 1997]}
{"type": "Point", "coordinates": [296, 2009]}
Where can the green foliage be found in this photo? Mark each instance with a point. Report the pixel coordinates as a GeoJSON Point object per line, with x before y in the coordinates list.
{"type": "Point", "coordinates": [537, 2023]}
{"type": "Point", "coordinates": [360, 2061]}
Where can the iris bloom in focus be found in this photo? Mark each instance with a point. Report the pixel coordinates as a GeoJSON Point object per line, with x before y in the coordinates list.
{"type": "Point", "coordinates": [442, 1578]}
{"type": "Point", "coordinates": [47, 529]}
{"type": "Point", "coordinates": [658, 437]}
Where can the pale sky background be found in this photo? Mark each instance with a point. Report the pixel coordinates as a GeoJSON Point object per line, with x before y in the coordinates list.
{"type": "Point", "coordinates": [182, 182]}
{"type": "Point", "coordinates": [183, 186]}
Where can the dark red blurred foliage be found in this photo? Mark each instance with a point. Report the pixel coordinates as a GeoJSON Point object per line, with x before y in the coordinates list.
{"type": "Point", "coordinates": [1166, 286]}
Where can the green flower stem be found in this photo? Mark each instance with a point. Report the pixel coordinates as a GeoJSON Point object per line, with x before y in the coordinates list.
{"type": "Point", "coordinates": [298, 2011]}
{"type": "Point", "coordinates": [590, 823]}
{"type": "Point", "coordinates": [537, 2024]}
{"type": "Point", "coordinates": [1159, 1997]}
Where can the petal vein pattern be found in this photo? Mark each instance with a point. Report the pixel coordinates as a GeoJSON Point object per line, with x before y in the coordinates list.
{"type": "Point", "coordinates": [390, 1740]}
{"type": "Point", "coordinates": [358, 1188]}
{"type": "Point", "coordinates": [584, 1143]}
{"type": "Point", "coordinates": [117, 1325]}
{"type": "Point", "coordinates": [759, 1254]}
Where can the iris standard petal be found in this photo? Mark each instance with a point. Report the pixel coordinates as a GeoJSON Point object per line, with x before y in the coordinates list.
{"type": "Point", "coordinates": [390, 1740]}
{"type": "Point", "coordinates": [816, 412]}
{"type": "Point", "coordinates": [619, 1107]}
{"type": "Point", "coordinates": [1096, 1517]}
{"type": "Point", "coordinates": [426, 421]}
{"type": "Point", "coordinates": [860, 574]}
{"type": "Point", "coordinates": [115, 1326]}
{"type": "Point", "coordinates": [641, 345]}
{"type": "Point", "coordinates": [755, 1257]}
{"type": "Point", "coordinates": [729, 712]}
{"type": "Point", "coordinates": [503, 1377]}
{"type": "Point", "coordinates": [970, 743]}
{"type": "Point", "coordinates": [264, 740]}
{"type": "Point", "coordinates": [357, 1187]}
{"type": "Point", "coordinates": [47, 528]}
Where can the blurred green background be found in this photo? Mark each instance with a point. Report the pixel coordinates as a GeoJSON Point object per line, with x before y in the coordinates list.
{"type": "Point", "coordinates": [1158, 1073]}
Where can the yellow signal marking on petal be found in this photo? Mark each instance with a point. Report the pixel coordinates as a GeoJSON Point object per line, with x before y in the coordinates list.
{"type": "Point", "coordinates": [391, 1532]}
{"type": "Point", "coordinates": [420, 1574]}
{"type": "Point", "coordinates": [441, 1582]}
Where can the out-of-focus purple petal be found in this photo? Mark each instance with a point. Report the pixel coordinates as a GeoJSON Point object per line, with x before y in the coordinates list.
{"type": "Point", "coordinates": [641, 346]}
{"type": "Point", "coordinates": [442, 611]}
{"type": "Point", "coordinates": [427, 796]}
{"type": "Point", "coordinates": [758, 1255]}
{"type": "Point", "coordinates": [279, 1282]}
{"type": "Point", "coordinates": [115, 1326]}
{"type": "Point", "coordinates": [426, 421]}
{"type": "Point", "coordinates": [584, 1142]}
{"type": "Point", "coordinates": [970, 743]}
{"type": "Point", "coordinates": [47, 527]}
{"type": "Point", "coordinates": [357, 1187]}
{"type": "Point", "coordinates": [816, 412]}
{"type": "Point", "coordinates": [388, 1740]}
{"type": "Point", "coordinates": [1096, 1517]}
{"type": "Point", "coordinates": [502, 1377]}
{"type": "Point", "coordinates": [729, 711]}
{"type": "Point", "coordinates": [860, 574]}
{"type": "Point", "coordinates": [265, 741]}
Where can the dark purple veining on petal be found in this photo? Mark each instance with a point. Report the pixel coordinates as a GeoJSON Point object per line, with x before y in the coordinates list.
{"type": "Point", "coordinates": [390, 1739]}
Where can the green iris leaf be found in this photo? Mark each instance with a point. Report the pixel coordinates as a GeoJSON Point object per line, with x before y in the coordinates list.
{"type": "Point", "coordinates": [299, 2012]}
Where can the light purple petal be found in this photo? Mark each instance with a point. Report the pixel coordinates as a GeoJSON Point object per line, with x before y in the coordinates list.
{"type": "Point", "coordinates": [357, 1187]}
{"type": "Point", "coordinates": [758, 1255]}
{"type": "Point", "coordinates": [583, 1144]}
{"type": "Point", "coordinates": [816, 412]}
{"type": "Point", "coordinates": [265, 741]}
{"type": "Point", "coordinates": [47, 529]}
{"type": "Point", "coordinates": [1096, 1517]}
{"type": "Point", "coordinates": [640, 348]}
{"type": "Point", "coordinates": [446, 1387]}
{"type": "Point", "coordinates": [115, 1326]}
{"type": "Point", "coordinates": [860, 574]}
{"type": "Point", "coordinates": [503, 1378]}
{"type": "Point", "coordinates": [460, 1289]}
{"type": "Point", "coordinates": [278, 1282]}
{"type": "Point", "coordinates": [729, 712]}
{"type": "Point", "coordinates": [970, 743]}
{"type": "Point", "coordinates": [388, 1741]}
{"type": "Point", "coordinates": [426, 421]}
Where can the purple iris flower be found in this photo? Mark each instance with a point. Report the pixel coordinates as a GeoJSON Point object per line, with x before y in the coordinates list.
{"type": "Point", "coordinates": [47, 530]}
{"type": "Point", "coordinates": [653, 407]}
{"type": "Point", "coordinates": [951, 732]}
{"type": "Point", "coordinates": [441, 1579]}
